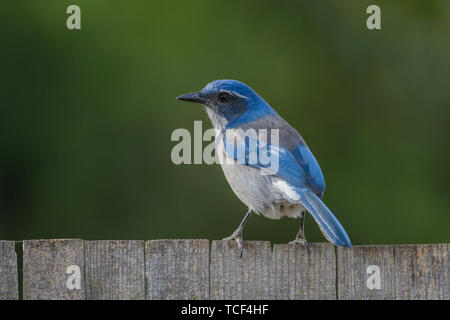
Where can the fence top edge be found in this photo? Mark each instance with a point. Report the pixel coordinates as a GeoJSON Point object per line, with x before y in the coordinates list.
{"type": "Point", "coordinates": [159, 241]}
{"type": "Point", "coordinates": [55, 240]}
{"type": "Point", "coordinates": [220, 241]}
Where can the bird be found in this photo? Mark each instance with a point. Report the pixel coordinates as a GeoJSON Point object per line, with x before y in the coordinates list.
{"type": "Point", "coordinates": [292, 187]}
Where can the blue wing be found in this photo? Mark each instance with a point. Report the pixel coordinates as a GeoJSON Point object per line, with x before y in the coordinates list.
{"type": "Point", "coordinates": [280, 161]}
{"type": "Point", "coordinates": [298, 168]}
{"type": "Point", "coordinates": [309, 173]}
{"type": "Point", "coordinates": [311, 168]}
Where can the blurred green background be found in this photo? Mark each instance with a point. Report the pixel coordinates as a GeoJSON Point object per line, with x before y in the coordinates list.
{"type": "Point", "coordinates": [86, 116]}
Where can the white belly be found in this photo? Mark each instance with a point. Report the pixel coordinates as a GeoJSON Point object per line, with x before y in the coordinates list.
{"type": "Point", "coordinates": [267, 195]}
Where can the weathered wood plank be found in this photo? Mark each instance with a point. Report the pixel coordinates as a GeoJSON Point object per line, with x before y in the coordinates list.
{"type": "Point", "coordinates": [365, 272]}
{"type": "Point", "coordinates": [115, 270]}
{"type": "Point", "coordinates": [8, 271]}
{"type": "Point", "coordinates": [177, 269]}
{"type": "Point", "coordinates": [250, 277]}
{"type": "Point", "coordinates": [403, 272]}
{"type": "Point", "coordinates": [448, 270]}
{"type": "Point", "coordinates": [183, 269]}
{"type": "Point", "coordinates": [302, 276]}
{"type": "Point", "coordinates": [53, 269]}
{"type": "Point", "coordinates": [421, 272]}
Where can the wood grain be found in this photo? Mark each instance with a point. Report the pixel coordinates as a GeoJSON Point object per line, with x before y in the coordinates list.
{"type": "Point", "coordinates": [177, 269]}
{"type": "Point", "coordinates": [302, 276]}
{"type": "Point", "coordinates": [8, 271]}
{"type": "Point", "coordinates": [250, 277]}
{"type": "Point", "coordinates": [354, 271]}
{"type": "Point", "coordinates": [416, 272]}
{"type": "Point", "coordinates": [45, 264]}
{"type": "Point", "coordinates": [421, 272]}
{"type": "Point", "coordinates": [189, 269]}
{"type": "Point", "coordinates": [115, 270]}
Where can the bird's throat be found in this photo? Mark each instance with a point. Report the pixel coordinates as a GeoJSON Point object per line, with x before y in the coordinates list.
{"type": "Point", "coordinates": [218, 122]}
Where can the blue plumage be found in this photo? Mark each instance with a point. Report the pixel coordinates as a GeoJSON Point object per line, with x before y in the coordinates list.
{"type": "Point", "coordinates": [296, 184]}
{"type": "Point", "coordinates": [314, 176]}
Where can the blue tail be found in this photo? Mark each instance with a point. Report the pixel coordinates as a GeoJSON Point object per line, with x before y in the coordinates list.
{"type": "Point", "coordinates": [329, 225]}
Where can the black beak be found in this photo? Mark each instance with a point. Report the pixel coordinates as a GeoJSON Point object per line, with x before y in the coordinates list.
{"type": "Point", "coordinates": [193, 97]}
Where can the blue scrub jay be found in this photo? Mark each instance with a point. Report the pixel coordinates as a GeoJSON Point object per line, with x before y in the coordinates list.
{"type": "Point", "coordinates": [296, 186]}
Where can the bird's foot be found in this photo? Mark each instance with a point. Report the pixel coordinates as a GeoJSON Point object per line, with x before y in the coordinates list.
{"type": "Point", "coordinates": [303, 242]}
{"type": "Point", "coordinates": [236, 236]}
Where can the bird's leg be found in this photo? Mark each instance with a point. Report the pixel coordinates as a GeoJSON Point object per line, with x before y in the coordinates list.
{"type": "Point", "coordinates": [300, 238]}
{"type": "Point", "coordinates": [237, 234]}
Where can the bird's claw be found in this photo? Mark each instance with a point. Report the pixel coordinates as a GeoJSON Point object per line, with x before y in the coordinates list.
{"type": "Point", "coordinates": [236, 236]}
{"type": "Point", "coordinates": [303, 242]}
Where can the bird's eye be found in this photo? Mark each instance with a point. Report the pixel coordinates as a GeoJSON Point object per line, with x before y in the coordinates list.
{"type": "Point", "coordinates": [224, 97]}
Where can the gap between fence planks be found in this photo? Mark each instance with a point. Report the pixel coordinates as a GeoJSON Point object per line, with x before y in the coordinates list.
{"type": "Point", "coordinates": [192, 269]}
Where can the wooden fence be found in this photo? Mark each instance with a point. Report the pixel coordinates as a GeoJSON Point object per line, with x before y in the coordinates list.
{"type": "Point", "coordinates": [192, 269]}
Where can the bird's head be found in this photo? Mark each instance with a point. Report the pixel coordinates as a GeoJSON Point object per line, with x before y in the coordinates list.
{"type": "Point", "coordinates": [228, 99]}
